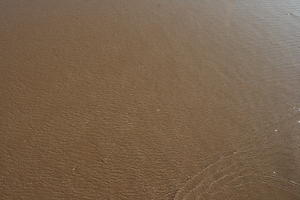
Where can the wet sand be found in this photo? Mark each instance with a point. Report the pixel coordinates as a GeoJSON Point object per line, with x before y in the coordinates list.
{"type": "Point", "coordinates": [150, 99]}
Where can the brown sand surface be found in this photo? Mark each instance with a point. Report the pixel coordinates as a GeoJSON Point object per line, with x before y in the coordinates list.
{"type": "Point", "coordinates": [149, 99]}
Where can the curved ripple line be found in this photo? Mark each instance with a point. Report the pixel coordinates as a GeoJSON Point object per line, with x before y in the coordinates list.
{"type": "Point", "coordinates": [251, 149]}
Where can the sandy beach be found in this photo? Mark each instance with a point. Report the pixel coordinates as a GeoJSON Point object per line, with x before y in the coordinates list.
{"type": "Point", "coordinates": [154, 100]}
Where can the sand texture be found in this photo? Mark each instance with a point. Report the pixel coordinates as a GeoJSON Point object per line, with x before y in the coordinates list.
{"type": "Point", "coordinates": [150, 99]}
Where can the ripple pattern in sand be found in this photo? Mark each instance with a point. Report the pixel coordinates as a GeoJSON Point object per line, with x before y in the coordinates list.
{"type": "Point", "coordinates": [238, 174]}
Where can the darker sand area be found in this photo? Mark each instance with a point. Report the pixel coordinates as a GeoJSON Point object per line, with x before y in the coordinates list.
{"type": "Point", "coordinates": [174, 99]}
